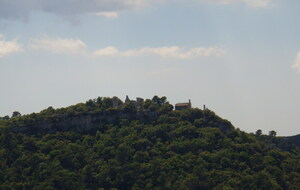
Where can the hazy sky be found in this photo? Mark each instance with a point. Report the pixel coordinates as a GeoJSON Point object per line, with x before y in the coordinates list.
{"type": "Point", "coordinates": [241, 58]}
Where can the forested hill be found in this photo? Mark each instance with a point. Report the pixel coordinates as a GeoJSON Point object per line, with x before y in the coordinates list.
{"type": "Point", "coordinates": [143, 144]}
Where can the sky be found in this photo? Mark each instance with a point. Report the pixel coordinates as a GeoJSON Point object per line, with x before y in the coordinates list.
{"type": "Point", "coordinates": [241, 58]}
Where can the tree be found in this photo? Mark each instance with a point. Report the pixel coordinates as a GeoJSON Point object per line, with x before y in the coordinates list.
{"type": "Point", "coordinates": [16, 114]}
{"type": "Point", "coordinates": [107, 103]}
{"type": "Point", "coordinates": [99, 100]}
{"type": "Point", "coordinates": [165, 108]}
{"type": "Point", "coordinates": [6, 117]}
{"type": "Point", "coordinates": [129, 107]}
{"type": "Point", "coordinates": [258, 132]}
{"type": "Point", "coordinates": [163, 100]}
{"type": "Point", "coordinates": [7, 140]}
{"type": "Point", "coordinates": [156, 99]}
{"type": "Point", "coordinates": [159, 101]}
{"type": "Point", "coordinates": [272, 133]}
{"type": "Point", "coordinates": [90, 103]}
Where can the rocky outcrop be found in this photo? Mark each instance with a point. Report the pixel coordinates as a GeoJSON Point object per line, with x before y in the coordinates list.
{"type": "Point", "coordinates": [83, 122]}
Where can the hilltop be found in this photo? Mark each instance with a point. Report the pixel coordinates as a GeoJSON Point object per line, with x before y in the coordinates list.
{"type": "Point", "coordinates": [92, 115]}
{"type": "Point", "coordinates": [144, 144]}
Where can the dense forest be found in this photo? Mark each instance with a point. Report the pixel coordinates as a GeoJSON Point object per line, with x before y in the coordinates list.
{"type": "Point", "coordinates": [143, 144]}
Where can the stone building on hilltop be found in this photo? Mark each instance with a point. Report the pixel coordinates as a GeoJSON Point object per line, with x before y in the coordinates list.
{"type": "Point", "coordinates": [182, 106]}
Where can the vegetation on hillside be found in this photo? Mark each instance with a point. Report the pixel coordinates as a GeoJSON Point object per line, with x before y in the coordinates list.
{"type": "Point", "coordinates": [187, 149]}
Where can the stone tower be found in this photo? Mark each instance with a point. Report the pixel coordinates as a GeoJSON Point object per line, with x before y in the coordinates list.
{"type": "Point", "coordinates": [127, 100]}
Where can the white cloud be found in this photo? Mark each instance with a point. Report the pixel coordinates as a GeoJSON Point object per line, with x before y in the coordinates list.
{"type": "Point", "coordinates": [171, 51]}
{"type": "Point", "coordinates": [8, 47]}
{"type": "Point", "coordinates": [174, 52]}
{"type": "Point", "coordinates": [111, 14]}
{"type": "Point", "coordinates": [108, 51]}
{"type": "Point", "coordinates": [296, 65]}
{"type": "Point", "coordinates": [76, 46]}
{"type": "Point", "coordinates": [59, 45]}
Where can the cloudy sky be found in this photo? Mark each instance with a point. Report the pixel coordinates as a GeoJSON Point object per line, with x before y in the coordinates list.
{"type": "Point", "coordinates": [241, 58]}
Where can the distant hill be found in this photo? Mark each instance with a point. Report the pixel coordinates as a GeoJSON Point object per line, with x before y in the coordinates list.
{"type": "Point", "coordinates": [106, 143]}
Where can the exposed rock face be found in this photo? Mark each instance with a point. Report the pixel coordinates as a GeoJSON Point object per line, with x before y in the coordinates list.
{"type": "Point", "coordinates": [83, 122]}
{"type": "Point", "coordinates": [49, 121]}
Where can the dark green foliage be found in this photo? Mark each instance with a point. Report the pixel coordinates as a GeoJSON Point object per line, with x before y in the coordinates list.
{"type": "Point", "coordinates": [16, 114]}
{"type": "Point", "coordinates": [258, 132]}
{"type": "Point", "coordinates": [272, 133]}
{"type": "Point", "coordinates": [188, 149]}
{"type": "Point", "coordinates": [293, 139]}
{"type": "Point", "coordinates": [4, 118]}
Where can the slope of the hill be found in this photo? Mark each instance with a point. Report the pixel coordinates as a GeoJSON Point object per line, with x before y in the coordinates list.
{"type": "Point", "coordinates": [294, 139]}
{"type": "Point", "coordinates": [139, 146]}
